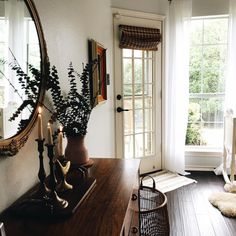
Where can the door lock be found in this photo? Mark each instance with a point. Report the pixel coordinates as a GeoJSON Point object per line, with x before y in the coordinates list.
{"type": "Point", "coordinates": [118, 97]}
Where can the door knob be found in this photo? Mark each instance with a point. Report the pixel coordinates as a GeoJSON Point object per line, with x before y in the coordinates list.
{"type": "Point", "coordinates": [120, 109]}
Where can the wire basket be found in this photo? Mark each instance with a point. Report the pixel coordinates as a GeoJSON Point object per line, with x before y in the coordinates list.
{"type": "Point", "coordinates": [153, 214]}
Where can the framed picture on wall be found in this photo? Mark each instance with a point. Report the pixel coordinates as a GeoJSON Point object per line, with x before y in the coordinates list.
{"type": "Point", "coordinates": [98, 85]}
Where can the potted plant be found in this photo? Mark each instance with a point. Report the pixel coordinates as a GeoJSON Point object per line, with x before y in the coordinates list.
{"type": "Point", "coordinates": [73, 110]}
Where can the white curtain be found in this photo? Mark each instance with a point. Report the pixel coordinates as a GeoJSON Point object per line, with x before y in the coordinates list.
{"type": "Point", "coordinates": [176, 84]}
{"type": "Point", "coordinates": [230, 94]}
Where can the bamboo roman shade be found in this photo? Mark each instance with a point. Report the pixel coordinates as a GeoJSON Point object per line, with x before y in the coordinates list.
{"type": "Point", "coordinates": [139, 38]}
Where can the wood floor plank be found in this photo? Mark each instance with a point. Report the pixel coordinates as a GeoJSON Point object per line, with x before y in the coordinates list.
{"type": "Point", "coordinates": [205, 226]}
{"type": "Point", "coordinates": [191, 213]}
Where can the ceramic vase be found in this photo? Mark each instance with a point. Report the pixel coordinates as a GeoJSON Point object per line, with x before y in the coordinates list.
{"type": "Point", "coordinates": [76, 151]}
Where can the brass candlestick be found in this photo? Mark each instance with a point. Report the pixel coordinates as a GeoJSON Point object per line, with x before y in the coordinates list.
{"type": "Point", "coordinates": [43, 190]}
{"type": "Point", "coordinates": [57, 202]}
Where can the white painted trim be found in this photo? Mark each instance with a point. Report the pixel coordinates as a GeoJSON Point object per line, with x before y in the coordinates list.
{"type": "Point", "coordinates": [203, 154]}
{"type": "Point", "coordinates": [202, 160]}
{"type": "Point", "coordinates": [199, 168]}
{"type": "Point", "coordinates": [117, 12]}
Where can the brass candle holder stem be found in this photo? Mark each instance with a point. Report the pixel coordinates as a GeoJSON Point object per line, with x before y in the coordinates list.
{"type": "Point", "coordinates": [57, 202]}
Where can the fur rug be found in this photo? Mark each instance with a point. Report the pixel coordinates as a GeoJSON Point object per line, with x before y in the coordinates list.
{"type": "Point", "coordinates": [225, 202]}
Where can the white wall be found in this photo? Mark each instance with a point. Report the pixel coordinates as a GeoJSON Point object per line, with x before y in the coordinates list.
{"type": "Point", "coordinates": [67, 25]}
{"type": "Point", "coordinates": [151, 6]}
{"type": "Point", "coordinates": [200, 7]}
{"type": "Point", "coordinates": [210, 7]}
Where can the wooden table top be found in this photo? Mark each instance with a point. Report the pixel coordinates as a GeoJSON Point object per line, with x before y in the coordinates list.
{"type": "Point", "coordinates": [101, 213]}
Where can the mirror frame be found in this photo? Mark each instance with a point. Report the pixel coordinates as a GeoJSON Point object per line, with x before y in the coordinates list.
{"type": "Point", "coordinates": [11, 146]}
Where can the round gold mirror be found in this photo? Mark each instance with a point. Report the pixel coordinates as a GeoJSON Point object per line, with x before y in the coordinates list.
{"type": "Point", "coordinates": [22, 49]}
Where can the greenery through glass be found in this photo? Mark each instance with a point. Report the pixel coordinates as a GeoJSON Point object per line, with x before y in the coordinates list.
{"type": "Point", "coordinates": [207, 71]}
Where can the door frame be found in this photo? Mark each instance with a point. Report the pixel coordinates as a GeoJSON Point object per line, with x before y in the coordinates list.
{"type": "Point", "coordinates": [117, 13]}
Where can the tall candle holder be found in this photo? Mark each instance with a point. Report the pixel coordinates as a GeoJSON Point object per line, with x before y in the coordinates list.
{"type": "Point", "coordinates": [43, 191]}
{"type": "Point", "coordinates": [57, 202]}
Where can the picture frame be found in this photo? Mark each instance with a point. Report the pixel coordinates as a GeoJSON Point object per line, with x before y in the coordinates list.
{"type": "Point", "coordinates": [98, 83]}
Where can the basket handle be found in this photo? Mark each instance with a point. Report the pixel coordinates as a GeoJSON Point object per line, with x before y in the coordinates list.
{"type": "Point", "coordinates": [153, 181]}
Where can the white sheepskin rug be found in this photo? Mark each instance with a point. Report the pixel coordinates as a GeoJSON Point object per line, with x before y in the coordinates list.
{"type": "Point", "coordinates": [225, 202]}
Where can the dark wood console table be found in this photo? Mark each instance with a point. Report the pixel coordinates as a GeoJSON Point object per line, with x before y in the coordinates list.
{"type": "Point", "coordinates": [104, 212]}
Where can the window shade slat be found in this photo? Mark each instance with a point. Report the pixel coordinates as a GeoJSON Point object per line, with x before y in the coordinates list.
{"type": "Point", "coordinates": [139, 38]}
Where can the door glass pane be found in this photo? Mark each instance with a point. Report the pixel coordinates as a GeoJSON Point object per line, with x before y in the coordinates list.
{"type": "Point", "coordinates": [128, 122]}
{"type": "Point", "coordinates": [147, 54]}
{"type": "Point", "coordinates": [138, 89]}
{"type": "Point", "coordinates": [127, 52]}
{"type": "Point", "coordinates": [138, 121]}
{"type": "Point", "coordinates": [128, 144]}
{"type": "Point", "coordinates": [138, 103]}
{"type": "Point", "coordinates": [148, 89]}
{"type": "Point", "coordinates": [137, 53]}
{"type": "Point", "coordinates": [138, 75]}
{"type": "Point", "coordinates": [148, 120]}
{"type": "Point", "coordinates": [148, 102]}
{"type": "Point", "coordinates": [127, 71]}
{"type": "Point", "coordinates": [148, 71]}
{"type": "Point", "coordinates": [148, 144]}
{"type": "Point", "coordinates": [139, 145]}
{"type": "Point", "coordinates": [128, 103]}
{"type": "Point", "coordinates": [127, 90]}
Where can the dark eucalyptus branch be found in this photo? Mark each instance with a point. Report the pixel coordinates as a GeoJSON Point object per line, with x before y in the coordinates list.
{"type": "Point", "coordinates": [21, 108]}
{"type": "Point", "coordinates": [10, 83]}
{"type": "Point", "coordinates": [73, 111]}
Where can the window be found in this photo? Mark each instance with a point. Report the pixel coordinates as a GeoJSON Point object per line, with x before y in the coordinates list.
{"type": "Point", "coordinates": [207, 72]}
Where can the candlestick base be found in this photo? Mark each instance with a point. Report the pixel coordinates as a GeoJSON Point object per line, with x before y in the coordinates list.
{"type": "Point", "coordinates": [57, 202]}
{"type": "Point", "coordinates": [42, 191]}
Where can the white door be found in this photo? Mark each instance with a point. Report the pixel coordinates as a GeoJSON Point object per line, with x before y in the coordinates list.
{"type": "Point", "coordinates": [138, 98]}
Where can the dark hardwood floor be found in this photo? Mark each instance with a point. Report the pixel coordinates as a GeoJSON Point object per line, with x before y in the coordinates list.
{"type": "Point", "coordinates": [190, 212]}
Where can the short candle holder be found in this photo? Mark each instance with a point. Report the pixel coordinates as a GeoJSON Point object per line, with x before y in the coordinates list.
{"type": "Point", "coordinates": [57, 202]}
{"type": "Point", "coordinates": [63, 167]}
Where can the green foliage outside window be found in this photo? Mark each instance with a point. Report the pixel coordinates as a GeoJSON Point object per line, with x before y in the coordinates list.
{"type": "Point", "coordinates": [207, 69]}
{"type": "Point", "coordinates": [193, 135]}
